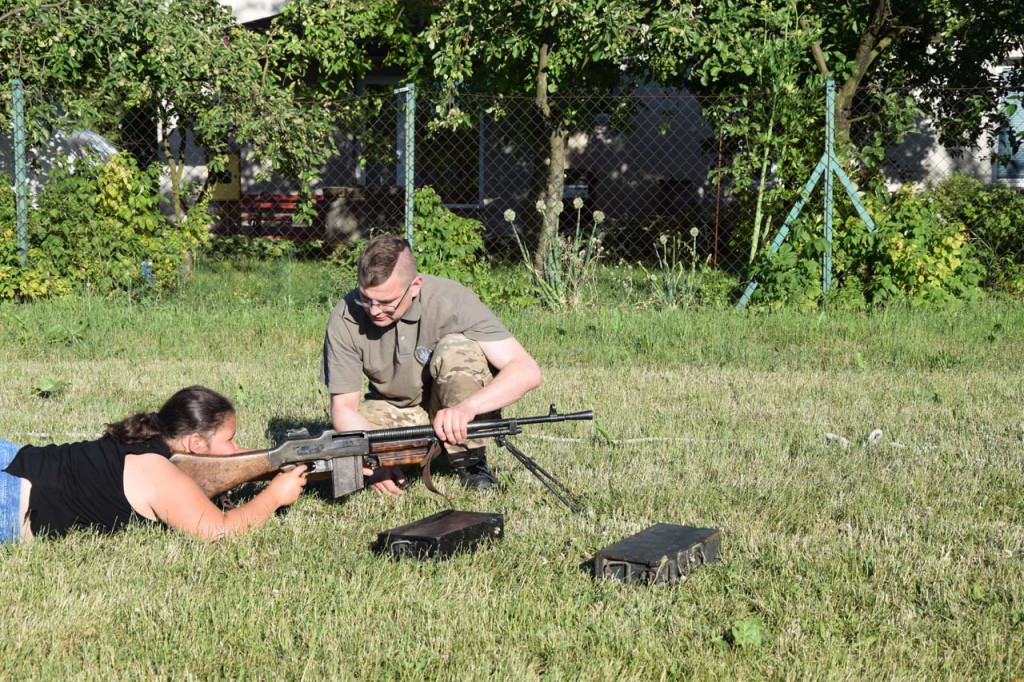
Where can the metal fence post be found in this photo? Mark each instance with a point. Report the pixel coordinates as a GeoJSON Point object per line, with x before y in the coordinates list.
{"type": "Point", "coordinates": [20, 170]}
{"type": "Point", "coordinates": [827, 167]}
{"type": "Point", "coordinates": [830, 152]}
{"type": "Point", "coordinates": [406, 150]}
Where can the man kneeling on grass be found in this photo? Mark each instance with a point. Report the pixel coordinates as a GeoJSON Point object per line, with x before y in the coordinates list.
{"type": "Point", "coordinates": [127, 475]}
{"type": "Point", "coordinates": [433, 353]}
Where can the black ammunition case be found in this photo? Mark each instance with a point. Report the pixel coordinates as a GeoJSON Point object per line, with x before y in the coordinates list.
{"type": "Point", "coordinates": [660, 555]}
{"type": "Point", "coordinates": [441, 535]}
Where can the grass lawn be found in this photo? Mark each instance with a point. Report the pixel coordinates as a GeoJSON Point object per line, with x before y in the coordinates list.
{"type": "Point", "coordinates": [901, 558]}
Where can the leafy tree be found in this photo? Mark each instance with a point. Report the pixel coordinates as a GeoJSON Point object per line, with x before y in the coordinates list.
{"type": "Point", "coordinates": [935, 45]}
{"type": "Point", "coordinates": [893, 63]}
{"type": "Point", "coordinates": [548, 51]}
{"type": "Point", "coordinates": [201, 74]}
{"type": "Point", "coordinates": [186, 63]}
{"type": "Point", "coordinates": [943, 49]}
{"type": "Point", "coordinates": [769, 121]}
{"type": "Point", "coordinates": [325, 46]}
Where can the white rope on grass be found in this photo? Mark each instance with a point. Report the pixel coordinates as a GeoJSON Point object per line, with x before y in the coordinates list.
{"type": "Point", "coordinates": [873, 437]}
{"type": "Point", "coordinates": [614, 441]}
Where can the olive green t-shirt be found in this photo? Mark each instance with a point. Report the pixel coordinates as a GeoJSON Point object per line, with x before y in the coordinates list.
{"type": "Point", "coordinates": [396, 358]}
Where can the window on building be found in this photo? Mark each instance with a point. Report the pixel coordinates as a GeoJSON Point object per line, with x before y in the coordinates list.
{"type": "Point", "coordinates": [1009, 165]}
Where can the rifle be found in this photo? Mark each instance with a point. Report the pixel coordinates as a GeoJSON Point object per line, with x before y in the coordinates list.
{"type": "Point", "coordinates": [342, 456]}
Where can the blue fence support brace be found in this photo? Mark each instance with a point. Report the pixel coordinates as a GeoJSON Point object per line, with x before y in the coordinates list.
{"type": "Point", "coordinates": [406, 150]}
{"type": "Point", "coordinates": [828, 166]}
{"type": "Point", "coordinates": [830, 153]}
{"type": "Point", "coordinates": [20, 170]}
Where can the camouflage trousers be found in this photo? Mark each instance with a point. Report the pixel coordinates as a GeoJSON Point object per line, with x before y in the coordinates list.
{"type": "Point", "coordinates": [459, 369]}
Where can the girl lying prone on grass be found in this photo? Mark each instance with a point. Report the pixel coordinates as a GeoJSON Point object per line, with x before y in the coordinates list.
{"type": "Point", "coordinates": [127, 474]}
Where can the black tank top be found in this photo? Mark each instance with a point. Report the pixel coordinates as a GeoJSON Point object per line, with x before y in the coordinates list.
{"type": "Point", "coordinates": [79, 485]}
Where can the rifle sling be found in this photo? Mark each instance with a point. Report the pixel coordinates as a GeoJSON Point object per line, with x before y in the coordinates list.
{"type": "Point", "coordinates": [434, 451]}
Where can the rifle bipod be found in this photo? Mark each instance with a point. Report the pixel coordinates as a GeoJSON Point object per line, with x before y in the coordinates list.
{"type": "Point", "coordinates": [556, 487]}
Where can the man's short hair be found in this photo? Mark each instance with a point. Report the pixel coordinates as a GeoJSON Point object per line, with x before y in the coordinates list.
{"type": "Point", "coordinates": [379, 258]}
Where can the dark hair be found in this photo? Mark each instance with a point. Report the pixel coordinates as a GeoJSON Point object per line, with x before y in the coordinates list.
{"type": "Point", "coordinates": [195, 409]}
{"type": "Point", "coordinates": [378, 260]}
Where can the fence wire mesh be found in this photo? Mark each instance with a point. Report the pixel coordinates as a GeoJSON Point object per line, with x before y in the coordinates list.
{"type": "Point", "coordinates": [721, 174]}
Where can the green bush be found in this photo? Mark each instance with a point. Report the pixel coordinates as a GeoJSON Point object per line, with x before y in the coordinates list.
{"type": "Point", "coordinates": [994, 216]}
{"type": "Point", "coordinates": [241, 246]}
{"type": "Point", "coordinates": [915, 255]}
{"type": "Point", "coordinates": [791, 277]}
{"type": "Point", "coordinates": [16, 282]}
{"type": "Point", "coordinates": [450, 246]}
{"type": "Point", "coordinates": [99, 228]}
{"type": "Point", "coordinates": [446, 245]}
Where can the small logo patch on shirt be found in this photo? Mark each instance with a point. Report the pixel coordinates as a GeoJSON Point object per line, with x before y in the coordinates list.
{"type": "Point", "coordinates": [422, 355]}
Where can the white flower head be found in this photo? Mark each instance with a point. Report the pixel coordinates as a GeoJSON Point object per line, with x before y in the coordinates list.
{"type": "Point", "coordinates": [559, 207]}
{"type": "Point", "coordinates": [510, 215]}
{"type": "Point", "coordinates": [540, 205]}
{"type": "Point", "coordinates": [694, 232]}
{"type": "Point", "coordinates": [577, 203]}
{"type": "Point", "coordinates": [598, 217]}
{"type": "Point", "coordinates": [663, 239]}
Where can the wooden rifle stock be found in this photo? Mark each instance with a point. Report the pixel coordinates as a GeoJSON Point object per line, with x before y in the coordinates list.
{"type": "Point", "coordinates": [217, 475]}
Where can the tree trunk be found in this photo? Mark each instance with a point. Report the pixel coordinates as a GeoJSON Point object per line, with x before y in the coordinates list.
{"type": "Point", "coordinates": [175, 164]}
{"type": "Point", "coordinates": [877, 37]}
{"type": "Point", "coordinates": [558, 138]}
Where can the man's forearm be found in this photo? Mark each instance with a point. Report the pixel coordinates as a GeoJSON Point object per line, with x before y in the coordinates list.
{"type": "Point", "coordinates": [345, 417]}
{"type": "Point", "coordinates": [349, 420]}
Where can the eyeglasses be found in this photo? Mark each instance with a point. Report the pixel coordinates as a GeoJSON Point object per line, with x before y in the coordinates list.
{"type": "Point", "coordinates": [385, 308]}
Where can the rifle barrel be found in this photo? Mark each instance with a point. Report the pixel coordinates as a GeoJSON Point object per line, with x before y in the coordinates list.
{"type": "Point", "coordinates": [477, 427]}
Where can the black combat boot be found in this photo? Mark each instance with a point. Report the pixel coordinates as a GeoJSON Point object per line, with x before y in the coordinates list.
{"type": "Point", "coordinates": [471, 466]}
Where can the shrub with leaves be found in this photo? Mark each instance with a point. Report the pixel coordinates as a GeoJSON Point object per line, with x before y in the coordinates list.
{"type": "Point", "coordinates": [99, 227]}
{"type": "Point", "coordinates": [446, 245]}
{"type": "Point", "coordinates": [993, 215]}
{"type": "Point", "coordinates": [450, 246]}
{"type": "Point", "coordinates": [17, 282]}
{"type": "Point", "coordinates": [241, 246]}
{"type": "Point", "coordinates": [915, 254]}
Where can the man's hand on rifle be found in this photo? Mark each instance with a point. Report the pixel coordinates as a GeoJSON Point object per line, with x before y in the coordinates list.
{"type": "Point", "coordinates": [386, 480]}
{"type": "Point", "coordinates": [451, 424]}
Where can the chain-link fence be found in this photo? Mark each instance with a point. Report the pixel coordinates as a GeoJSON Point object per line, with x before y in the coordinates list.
{"type": "Point", "coordinates": [721, 173]}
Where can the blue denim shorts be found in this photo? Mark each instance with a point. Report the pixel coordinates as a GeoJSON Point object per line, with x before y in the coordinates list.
{"type": "Point", "coordinates": [10, 495]}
